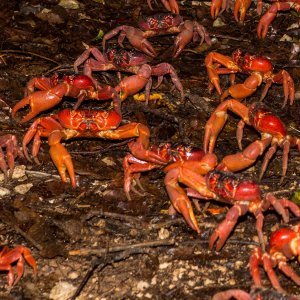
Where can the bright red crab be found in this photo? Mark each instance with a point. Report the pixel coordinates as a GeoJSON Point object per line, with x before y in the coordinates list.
{"type": "Point", "coordinates": [200, 174]}
{"type": "Point", "coordinates": [159, 24]}
{"type": "Point", "coordinates": [259, 69]}
{"type": "Point", "coordinates": [284, 245]}
{"type": "Point", "coordinates": [68, 124]}
{"type": "Point", "coordinates": [272, 130]}
{"type": "Point", "coordinates": [269, 16]}
{"type": "Point", "coordinates": [127, 61]}
{"type": "Point", "coordinates": [9, 142]}
{"type": "Point", "coordinates": [52, 90]}
{"type": "Point", "coordinates": [19, 254]}
{"type": "Point", "coordinates": [170, 5]}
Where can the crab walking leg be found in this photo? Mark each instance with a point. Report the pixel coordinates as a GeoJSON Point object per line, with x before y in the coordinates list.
{"type": "Point", "coordinates": [135, 36]}
{"type": "Point", "coordinates": [12, 151]}
{"type": "Point", "coordinates": [164, 68]}
{"type": "Point", "coordinates": [132, 169]}
{"type": "Point", "coordinates": [139, 147]}
{"type": "Point", "coordinates": [284, 78]}
{"type": "Point", "coordinates": [232, 294]}
{"type": "Point", "coordinates": [223, 230]}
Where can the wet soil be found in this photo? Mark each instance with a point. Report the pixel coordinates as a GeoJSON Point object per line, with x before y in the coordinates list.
{"type": "Point", "coordinates": [166, 258]}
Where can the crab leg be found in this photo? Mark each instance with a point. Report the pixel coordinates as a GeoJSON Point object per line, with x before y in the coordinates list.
{"type": "Point", "coordinates": [164, 68]}
{"type": "Point", "coordinates": [133, 166]}
{"type": "Point", "coordinates": [283, 77]}
{"type": "Point", "coordinates": [135, 37]}
{"type": "Point", "coordinates": [223, 230]}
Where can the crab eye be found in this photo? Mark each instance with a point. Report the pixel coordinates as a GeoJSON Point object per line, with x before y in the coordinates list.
{"type": "Point", "coordinates": [169, 20]}
{"type": "Point", "coordinates": [152, 23]}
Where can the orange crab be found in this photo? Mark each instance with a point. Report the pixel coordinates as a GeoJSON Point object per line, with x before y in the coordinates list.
{"type": "Point", "coordinates": [259, 69]}
{"type": "Point", "coordinates": [272, 130]}
{"type": "Point", "coordinates": [68, 124]}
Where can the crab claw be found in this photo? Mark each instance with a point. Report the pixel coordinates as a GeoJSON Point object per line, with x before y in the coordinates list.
{"type": "Point", "coordinates": [179, 199]}
{"type": "Point", "coordinates": [269, 16]}
{"type": "Point", "coordinates": [215, 8]}
{"type": "Point", "coordinates": [241, 6]}
{"type": "Point", "coordinates": [61, 158]}
{"type": "Point", "coordinates": [170, 5]}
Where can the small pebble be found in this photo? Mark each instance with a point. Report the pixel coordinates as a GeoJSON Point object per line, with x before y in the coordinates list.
{"type": "Point", "coordinates": [23, 188]}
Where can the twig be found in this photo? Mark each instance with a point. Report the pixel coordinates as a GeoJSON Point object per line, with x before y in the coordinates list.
{"type": "Point", "coordinates": [102, 263]}
{"type": "Point", "coordinates": [102, 150]}
{"type": "Point", "coordinates": [222, 36]}
{"type": "Point", "coordinates": [102, 252]}
{"type": "Point", "coordinates": [59, 67]}
{"type": "Point", "coordinates": [121, 217]}
{"type": "Point", "coordinates": [29, 53]}
{"type": "Point", "coordinates": [41, 174]}
{"type": "Point", "coordinates": [158, 113]}
{"type": "Point", "coordinates": [8, 219]}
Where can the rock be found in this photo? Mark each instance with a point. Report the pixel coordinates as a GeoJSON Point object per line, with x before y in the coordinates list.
{"type": "Point", "coordinates": [4, 191]}
{"type": "Point", "coordinates": [62, 291]}
{"type": "Point", "coordinates": [23, 188]}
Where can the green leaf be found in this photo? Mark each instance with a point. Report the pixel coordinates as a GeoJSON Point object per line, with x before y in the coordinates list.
{"type": "Point", "coordinates": [296, 197]}
{"type": "Point", "coordinates": [99, 35]}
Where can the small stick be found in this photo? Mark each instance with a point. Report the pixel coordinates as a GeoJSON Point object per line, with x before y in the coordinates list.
{"type": "Point", "coordinates": [117, 216]}
{"type": "Point", "coordinates": [102, 263]}
{"type": "Point", "coordinates": [59, 67]}
{"type": "Point", "coordinates": [102, 252]}
{"type": "Point", "coordinates": [29, 53]}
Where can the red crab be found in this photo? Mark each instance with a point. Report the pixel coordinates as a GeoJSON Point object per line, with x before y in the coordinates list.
{"type": "Point", "coordinates": [68, 124]}
{"type": "Point", "coordinates": [284, 245]}
{"type": "Point", "coordinates": [272, 130]}
{"type": "Point", "coordinates": [269, 16]}
{"type": "Point", "coordinates": [52, 90]}
{"type": "Point", "coordinates": [159, 24]}
{"type": "Point", "coordinates": [127, 61]}
{"type": "Point", "coordinates": [199, 173]}
{"type": "Point", "coordinates": [134, 166]}
{"type": "Point", "coordinates": [259, 69]}
{"type": "Point", "coordinates": [19, 254]}
{"type": "Point", "coordinates": [170, 5]}
{"type": "Point", "coordinates": [9, 142]}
